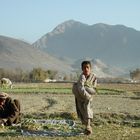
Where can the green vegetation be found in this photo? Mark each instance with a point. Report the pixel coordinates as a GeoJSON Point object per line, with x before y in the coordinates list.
{"type": "Point", "coordinates": [37, 90]}
{"type": "Point", "coordinates": [56, 88]}
{"type": "Point", "coordinates": [109, 91]}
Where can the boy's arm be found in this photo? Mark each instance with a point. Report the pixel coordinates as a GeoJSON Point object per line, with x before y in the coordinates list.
{"type": "Point", "coordinates": [81, 88]}
{"type": "Point", "coordinates": [14, 113]}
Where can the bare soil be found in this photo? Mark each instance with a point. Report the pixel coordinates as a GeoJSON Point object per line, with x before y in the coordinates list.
{"type": "Point", "coordinates": [51, 103]}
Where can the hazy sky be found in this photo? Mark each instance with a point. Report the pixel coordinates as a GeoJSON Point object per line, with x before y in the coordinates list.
{"type": "Point", "coordinates": [31, 19]}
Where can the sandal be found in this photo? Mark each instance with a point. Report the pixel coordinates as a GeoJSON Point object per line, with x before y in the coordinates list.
{"type": "Point", "coordinates": [88, 130]}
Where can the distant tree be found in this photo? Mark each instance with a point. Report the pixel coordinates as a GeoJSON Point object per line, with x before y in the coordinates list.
{"type": "Point", "coordinates": [51, 74]}
{"type": "Point", "coordinates": [135, 75]}
{"type": "Point", "coordinates": [38, 75]}
{"type": "Point", "coordinates": [65, 78]}
{"type": "Point", "coordinates": [21, 76]}
{"type": "Point", "coordinates": [35, 75]}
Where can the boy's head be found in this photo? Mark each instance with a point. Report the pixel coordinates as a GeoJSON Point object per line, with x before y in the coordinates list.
{"type": "Point", "coordinates": [86, 67]}
{"type": "Point", "coordinates": [3, 97]}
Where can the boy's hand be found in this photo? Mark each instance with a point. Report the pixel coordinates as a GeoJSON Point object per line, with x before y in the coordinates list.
{"type": "Point", "coordinates": [96, 90]}
{"type": "Point", "coordinates": [88, 96]}
{"type": "Point", "coordinates": [2, 122]}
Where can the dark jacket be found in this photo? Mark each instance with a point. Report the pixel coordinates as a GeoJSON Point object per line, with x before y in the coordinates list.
{"type": "Point", "coordinates": [10, 111]}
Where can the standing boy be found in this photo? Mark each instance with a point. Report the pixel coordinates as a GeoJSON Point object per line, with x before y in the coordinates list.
{"type": "Point", "coordinates": [84, 90]}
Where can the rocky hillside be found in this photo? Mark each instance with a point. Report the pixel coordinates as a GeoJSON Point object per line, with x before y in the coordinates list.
{"type": "Point", "coordinates": [19, 54]}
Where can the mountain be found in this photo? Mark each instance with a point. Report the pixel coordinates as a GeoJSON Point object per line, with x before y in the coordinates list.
{"type": "Point", "coordinates": [19, 54]}
{"type": "Point", "coordinates": [116, 45]}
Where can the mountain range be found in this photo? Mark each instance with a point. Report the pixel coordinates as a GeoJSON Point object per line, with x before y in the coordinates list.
{"type": "Point", "coordinates": [115, 45]}
{"type": "Point", "coordinates": [112, 49]}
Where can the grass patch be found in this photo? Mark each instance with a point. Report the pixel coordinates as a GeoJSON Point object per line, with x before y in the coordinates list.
{"type": "Point", "coordinates": [66, 88]}
{"type": "Point", "coordinates": [104, 91]}
{"type": "Point", "coordinates": [110, 126]}
{"type": "Point", "coordinates": [119, 119]}
{"type": "Point", "coordinates": [38, 90]}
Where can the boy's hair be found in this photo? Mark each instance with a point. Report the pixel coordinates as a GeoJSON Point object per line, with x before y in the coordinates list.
{"type": "Point", "coordinates": [85, 63]}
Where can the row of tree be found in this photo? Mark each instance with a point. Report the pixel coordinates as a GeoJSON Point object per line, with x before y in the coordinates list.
{"type": "Point", "coordinates": [35, 75]}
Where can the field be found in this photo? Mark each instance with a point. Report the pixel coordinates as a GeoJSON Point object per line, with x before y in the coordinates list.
{"type": "Point", "coordinates": [116, 111]}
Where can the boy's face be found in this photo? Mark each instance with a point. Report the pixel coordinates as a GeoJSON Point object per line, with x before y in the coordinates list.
{"type": "Point", "coordinates": [86, 69]}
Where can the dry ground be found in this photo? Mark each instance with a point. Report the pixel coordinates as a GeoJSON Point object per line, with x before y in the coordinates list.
{"type": "Point", "coordinates": [51, 103]}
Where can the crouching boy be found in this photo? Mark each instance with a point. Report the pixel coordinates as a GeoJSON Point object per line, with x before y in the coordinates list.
{"type": "Point", "coordinates": [9, 110]}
